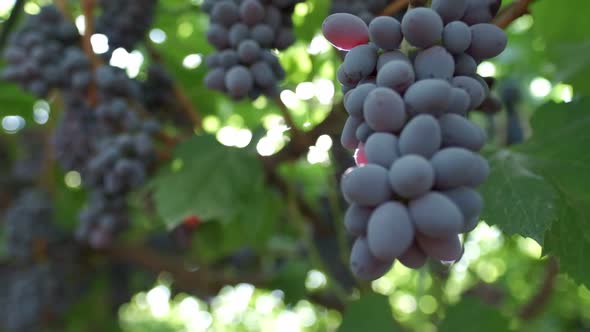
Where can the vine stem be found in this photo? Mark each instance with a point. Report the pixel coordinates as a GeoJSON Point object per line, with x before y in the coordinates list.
{"type": "Point", "coordinates": [187, 107]}
{"type": "Point", "coordinates": [512, 12]}
{"type": "Point", "coordinates": [394, 7]}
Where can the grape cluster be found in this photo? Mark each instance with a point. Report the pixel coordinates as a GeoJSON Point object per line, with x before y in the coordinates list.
{"type": "Point", "coordinates": [243, 32]}
{"type": "Point", "coordinates": [366, 10]}
{"type": "Point", "coordinates": [36, 53]}
{"type": "Point", "coordinates": [28, 226]}
{"type": "Point", "coordinates": [413, 191]}
{"type": "Point", "coordinates": [157, 91]}
{"type": "Point", "coordinates": [125, 22]}
{"type": "Point", "coordinates": [122, 155]}
{"type": "Point", "coordinates": [32, 295]}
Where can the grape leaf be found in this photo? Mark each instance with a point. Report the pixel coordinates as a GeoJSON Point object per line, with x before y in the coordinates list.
{"type": "Point", "coordinates": [540, 188]}
{"type": "Point", "coordinates": [206, 179]}
{"type": "Point", "coordinates": [371, 312]}
{"type": "Point", "coordinates": [472, 315]}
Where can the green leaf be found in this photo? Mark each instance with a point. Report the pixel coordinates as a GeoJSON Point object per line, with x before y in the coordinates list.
{"type": "Point", "coordinates": [372, 312]}
{"type": "Point", "coordinates": [206, 179]}
{"type": "Point", "coordinates": [540, 188]}
{"type": "Point", "coordinates": [473, 315]}
{"type": "Point", "coordinates": [291, 280]}
{"type": "Point", "coordinates": [566, 39]}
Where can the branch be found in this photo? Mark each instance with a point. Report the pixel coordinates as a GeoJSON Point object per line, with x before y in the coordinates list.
{"type": "Point", "coordinates": [17, 9]}
{"type": "Point", "coordinates": [394, 7]}
{"type": "Point", "coordinates": [536, 304]}
{"type": "Point", "coordinates": [513, 11]}
{"type": "Point", "coordinates": [187, 107]}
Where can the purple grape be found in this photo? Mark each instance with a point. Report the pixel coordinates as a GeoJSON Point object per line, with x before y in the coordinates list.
{"type": "Point", "coordinates": [396, 75]}
{"type": "Point", "coordinates": [348, 138]}
{"type": "Point", "coordinates": [386, 32]}
{"type": "Point", "coordinates": [458, 131]}
{"type": "Point", "coordinates": [469, 202]}
{"type": "Point", "coordinates": [436, 216]}
{"type": "Point", "coordinates": [488, 41]}
{"type": "Point", "coordinates": [364, 265]}
{"type": "Point", "coordinates": [434, 62]}
{"type": "Point", "coordinates": [447, 249]}
{"type": "Point", "coordinates": [382, 149]}
{"type": "Point", "coordinates": [422, 27]}
{"type": "Point", "coordinates": [421, 136]}
{"type": "Point", "coordinates": [384, 110]}
{"type": "Point", "coordinates": [356, 98]}
{"type": "Point", "coordinates": [366, 185]}
{"type": "Point", "coordinates": [390, 231]}
{"type": "Point", "coordinates": [411, 176]}
{"type": "Point", "coordinates": [413, 257]}
{"type": "Point", "coordinates": [356, 219]}
{"type": "Point", "coordinates": [430, 96]}
{"type": "Point", "coordinates": [456, 37]}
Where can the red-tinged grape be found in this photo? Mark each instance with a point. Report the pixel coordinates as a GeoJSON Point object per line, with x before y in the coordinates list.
{"type": "Point", "coordinates": [457, 167]}
{"type": "Point", "coordinates": [384, 110]}
{"type": "Point", "coordinates": [366, 185]}
{"type": "Point", "coordinates": [354, 102]}
{"type": "Point", "coordinates": [456, 37]}
{"type": "Point", "coordinates": [447, 249]}
{"type": "Point", "coordinates": [421, 136]}
{"type": "Point", "coordinates": [390, 231]}
{"type": "Point", "coordinates": [422, 27]}
{"type": "Point", "coordinates": [488, 41]}
{"type": "Point", "coordinates": [434, 62]}
{"type": "Point", "coordinates": [397, 75]}
{"type": "Point", "coordinates": [474, 88]}
{"type": "Point", "coordinates": [411, 176]}
{"type": "Point", "coordinates": [356, 219]}
{"type": "Point", "coordinates": [381, 149]}
{"type": "Point", "coordinates": [348, 137]}
{"type": "Point", "coordinates": [449, 10]}
{"type": "Point", "coordinates": [364, 265]}
{"type": "Point", "coordinates": [469, 202]}
{"type": "Point", "coordinates": [413, 257]}
{"type": "Point", "coordinates": [345, 31]}
{"type": "Point", "coordinates": [385, 32]}
{"type": "Point", "coordinates": [459, 102]}
{"type": "Point", "coordinates": [436, 215]}
{"type": "Point", "coordinates": [430, 96]}
{"type": "Point", "coordinates": [360, 155]}
{"type": "Point", "coordinates": [458, 131]}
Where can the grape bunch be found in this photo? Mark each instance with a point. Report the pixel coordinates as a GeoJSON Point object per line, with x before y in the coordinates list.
{"type": "Point", "coordinates": [35, 53]}
{"type": "Point", "coordinates": [125, 23]}
{"type": "Point", "coordinates": [366, 10]}
{"type": "Point", "coordinates": [244, 32]}
{"type": "Point", "coordinates": [414, 190]}
{"type": "Point", "coordinates": [157, 91]}
{"type": "Point", "coordinates": [28, 226]}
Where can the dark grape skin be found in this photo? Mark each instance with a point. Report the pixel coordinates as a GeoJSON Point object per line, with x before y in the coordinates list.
{"type": "Point", "coordinates": [239, 81]}
{"type": "Point", "coordinates": [382, 149]}
{"type": "Point", "coordinates": [360, 62]}
{"type": "Point", "coordinates": [465, 65]}
{"type": "Point", "coordinates": [422, 27]}
{"type": "Point", "coordinates": [397, 75]}
{"type": "Point", "coordinates": [480, 11]}
{"type": "Point", "coordinates": [460, 132]}
{"type": "Point", "coordinates": [450, 10]}
{"type": "Point", "coordinates": [356, 219]}
{"type": "Point", "coordinates": [363, 132]}
{"type": "Point", "coordinates": [354, 102]}
{"type": "Point", "coordinates": [470, 202]}
{"type": "Point", "coordinates": [457, 167]}
{"type": "Point", "coordinates": [434, 62]}
{"type": "Point", "coordinates": [386, 57]}
{"type": "Point", "coordinates": [459, 102]}
{"type": "Point", "coordinates": [430, 96]}
{"type": "Point", "coordinates": [386, 32]}
{"type": "Point", "coordinates": [251, 12]}
{"type": "Point", "coordinates": [413, 257]}
{"type": "Point", "coordinates": [435, 215]}
{"type": "Point", "coordinates": [390, 231]}
{"type": "Point", "coordinates": [447, 249]}
{"type": "Point", "coordinates": [488, 41]}
{"type": "Point", "coordinates": [384, 110]}
{"type": "Point", "coordinates": [345, 31]}
{"type": "Point", "coordinates": [348, 138]}
{"type": "Point", "coordinates": [364, 265]}
{"type": "Point", "coordinates": [366, 185]}
{"type": "Point", "coordinates": [411, 176]}
{"type": "Point", "coordinates": [421, 136]}
{"type": "Point", "coordinates": [456, 37]}
{"type": "Point", "coordinates": [473, 87]}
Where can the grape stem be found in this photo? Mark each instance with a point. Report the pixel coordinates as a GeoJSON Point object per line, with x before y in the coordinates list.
{"type": "Point", "coordinates": [536, 303]}
{"type": "Point", "coordinates": [187, 107]}
{"type": "Point", "coordinates": [394, 7]}
{"type": "Point", "coordinates": [512, 12]}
